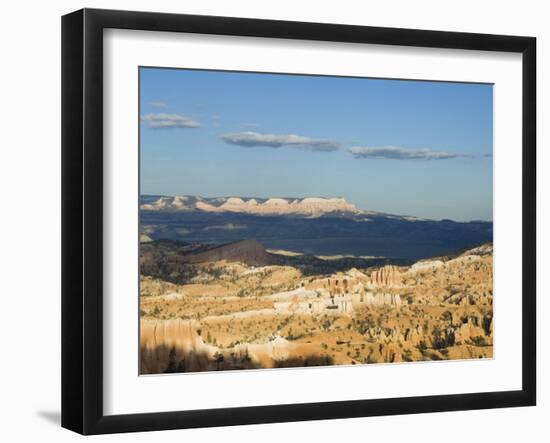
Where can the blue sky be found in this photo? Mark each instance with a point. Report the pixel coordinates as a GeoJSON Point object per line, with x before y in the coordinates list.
{"type": "Point", "coordinates": [402, 147]}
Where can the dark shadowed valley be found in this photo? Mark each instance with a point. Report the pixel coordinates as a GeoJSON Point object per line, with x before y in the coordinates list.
{"type": "Point", "coordinates": [296, 283]}
{"type": "Point", "coordinates": [325, 228]}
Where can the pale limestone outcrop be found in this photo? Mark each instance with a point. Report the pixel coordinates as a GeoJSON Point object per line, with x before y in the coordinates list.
{"type": "Point", "coordinates": [163, 341]}
{"type": "Point", "coordinates": [387, 276]}
{"type": "Point", "coordinates": [311, 206]}
{"type": "Point", "coordinates": [276, 349]}
{"type": "Point", "coordinates": [469, 332]}
{"type": "Point", "coordinates": [426, 265]}
{"type": "Point", "coordinates": [381, 299]}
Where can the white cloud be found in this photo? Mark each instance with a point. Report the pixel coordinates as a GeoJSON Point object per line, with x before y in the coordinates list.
{"type": "Point", "coordinates": [398, 153]}
{"type": "Point", "coordinates": [249, 139]}
{"type": "Point", "coordinates": [163, 120]}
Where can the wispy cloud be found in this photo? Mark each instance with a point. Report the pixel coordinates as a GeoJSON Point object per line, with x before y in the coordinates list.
{"type": "Point", "coordinates": [159, 104]}
{"type": "Point", "coordinates": [398, 153]}
{"type": "Point", "coordinates": [166, 121]}
{"type": "Point", "coordinates": [249, 139]}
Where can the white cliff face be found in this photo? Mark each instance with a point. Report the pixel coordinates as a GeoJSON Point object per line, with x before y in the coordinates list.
{"type": "Point", "coordinates": [179, 201]}
{"type": "Point", "coordinates": [160, 204]}
{"type": "Point", "coordinates": [311, 206]}
{"type": "Point", "coordinates": [426, 265]}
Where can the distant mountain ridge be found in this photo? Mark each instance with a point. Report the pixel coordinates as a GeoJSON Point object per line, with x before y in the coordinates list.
{"type": "Point", "coordinates": [314, 226]}
{"type": "Point", "coordinates": [307, 206]}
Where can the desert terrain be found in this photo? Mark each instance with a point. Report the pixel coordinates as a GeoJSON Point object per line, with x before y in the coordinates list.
{"type": "Point", "coordinates": [240, 306]}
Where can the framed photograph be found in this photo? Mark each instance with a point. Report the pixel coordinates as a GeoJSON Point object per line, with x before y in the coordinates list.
{"type": "Point", "coordinates": [268, 221]}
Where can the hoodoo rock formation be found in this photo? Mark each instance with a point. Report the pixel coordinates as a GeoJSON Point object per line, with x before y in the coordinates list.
{"type": "Point", "coordinates": [231, 314]}
{"type": "Point", "coordinates": [387, 276]}
{"type": "Point", "coordinates": [176, 346]}
{"type": "Point", "coordinates": [176, 342]}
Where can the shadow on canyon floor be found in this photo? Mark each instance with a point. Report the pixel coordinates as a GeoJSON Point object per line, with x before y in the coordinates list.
{"type": "Point", "coordinates": [171, 360]}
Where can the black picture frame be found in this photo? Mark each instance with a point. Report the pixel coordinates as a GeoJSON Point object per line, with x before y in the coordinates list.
{"type": "Point", "coordinates": [82, 218]}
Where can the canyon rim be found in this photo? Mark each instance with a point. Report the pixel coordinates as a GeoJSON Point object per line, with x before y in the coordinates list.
{"type": "Point", "coordinates": [294, 221]}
